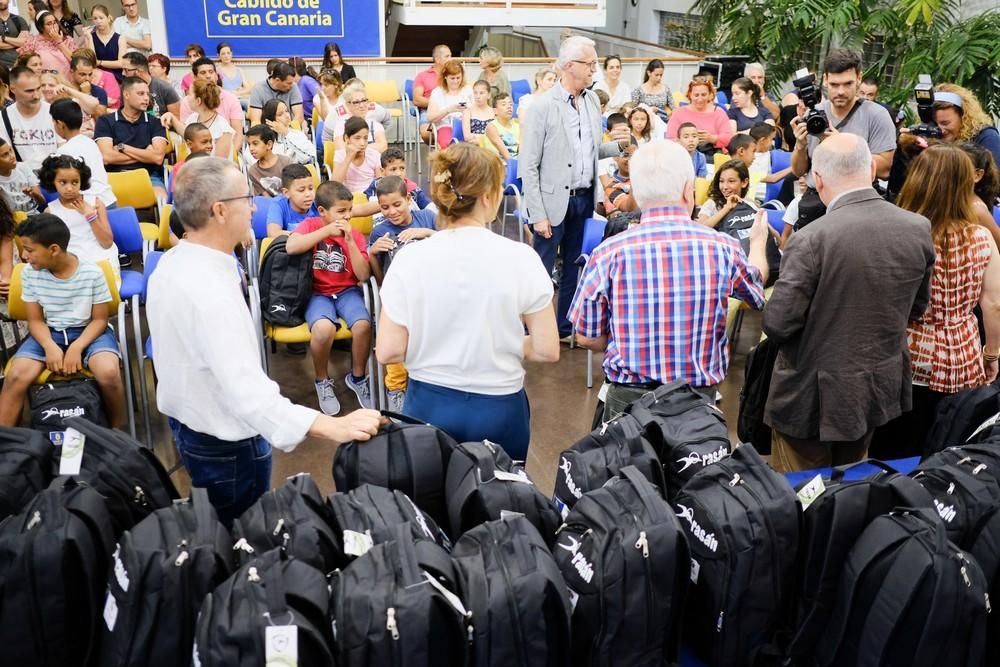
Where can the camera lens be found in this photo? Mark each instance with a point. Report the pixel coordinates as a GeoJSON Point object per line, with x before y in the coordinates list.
{"type": "Point", "coordinates": [816, 122]}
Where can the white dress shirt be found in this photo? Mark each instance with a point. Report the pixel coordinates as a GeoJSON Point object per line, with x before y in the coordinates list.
{"type": "Point", "coordinates": [206, 353]}
{"type": "Point", "coordinates": [578, 129]}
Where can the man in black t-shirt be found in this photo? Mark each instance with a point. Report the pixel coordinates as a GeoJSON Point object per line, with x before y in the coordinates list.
{"type": "Point", "coordinates": [13, 32]}
{"type": "Point", "coordinates": [162, 96]}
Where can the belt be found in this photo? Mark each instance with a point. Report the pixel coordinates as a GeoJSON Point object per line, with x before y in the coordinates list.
{"type": "Point", "coordinates": [581, 192]}
{"type": "Point", "coordinates": [652, 384]}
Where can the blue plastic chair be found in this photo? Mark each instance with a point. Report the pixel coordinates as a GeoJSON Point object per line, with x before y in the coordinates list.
{"type": "Point", "coordinates": [259, 220]}
{"type": "Point", "coordinates": [593, 234]}
{"type": "Point", "coordinates": [319, 139]}
{"type": "Point", "coordinates": [996, 215]}
{"type": "Point", "coordinates": [779, 160]}
{"type": "Point", "coordinates": [457, 131]}
{"type": "Point", "coordinates": [721, 98]}
{"type": "Point", "coordinates": [519, 88]}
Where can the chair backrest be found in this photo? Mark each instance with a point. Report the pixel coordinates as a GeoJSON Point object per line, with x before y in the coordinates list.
{"type": "Point", "coordinates": [264, 244]}
{"type": "Point", "coordinates": [408, 88]}
{"type": "Point", "coordinates": [259, 220]}
{"type": "Point", "coordinates": [314, 121]}
{"type": "Point", "coordinates": [364, 223]}
{"type": "Point", "coordinates": [383, 90]}
{"type": "Point", "coordinates": [15, 301]}
{"type": "Point", "coordinates": [319, 135]}
{"type": "Point", "coordinates": [125, 229]}
{"type": "Point", "coordinates": [780, 160]}
{"type": "Point", "coordinates": [721, 98]}
{"type": "Point", "coordinates": [329, 148]}
{"type": "Point", "coordinates": [593, 233]}
{"type": "Point", "coordinates": [996, 215]}
{"type": "Point", "coordinates": [720, 159]}
{"type": "Point", "coordinates": [457, 130]}
{"type": "Point", "coordinates": [511, 178]}
{"type": "Point", "coordinates": [132, 188]}
{"type": "Point", "coordinates": [148, 266]}
{"type": "Point", "coordinates": [163, 239]}
{"type": "Point", "coordinates": [701, 187]}
{"type": "Point", "coordinates": [315, 174]}
{"type": "Point", "coordinates": [680, 98]}
{"type": "Point", "coordinates": [183, 152]}
{"type": "Point", "coordinates": [519, 88]}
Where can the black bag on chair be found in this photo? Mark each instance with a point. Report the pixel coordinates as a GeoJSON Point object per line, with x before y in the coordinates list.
{"type": "Point", "coordinates": [54, 402]}
{"type": "Point", "coordinates": [483, 484]}
{"type": "Point", "coordinates": [54, 559]}
{"type": "Point", "coordinates": [285, 284]}
{"type": "Point", "coordinates": [163, 569]}
{"type": "Point", "coordinates": [410, 457]}
{"type": "Point", "coordinates": [294, 518]}
{"type": "Point", "coordinates": [600, 455]}
{"type": "Point", "coordinates": [25, 467]}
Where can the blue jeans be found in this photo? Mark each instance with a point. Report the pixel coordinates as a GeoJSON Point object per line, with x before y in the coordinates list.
{"type": "Point", "coordinates": [469, 417]}
{"type": "Point", "coordinates": [567, 238]}
{"type": "Point", "coordinates": [235, 474]}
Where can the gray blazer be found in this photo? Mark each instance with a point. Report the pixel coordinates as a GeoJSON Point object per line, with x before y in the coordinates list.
{"type": "Point", "coordinates": [849, 283]}
{"type": "Point", "coordinates": [545, 158]}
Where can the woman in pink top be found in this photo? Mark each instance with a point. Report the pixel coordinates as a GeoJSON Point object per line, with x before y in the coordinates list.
{"type": "Point", "coordinates": [710, 119]}
{"type": "Point", "coordinates": [50, 44]}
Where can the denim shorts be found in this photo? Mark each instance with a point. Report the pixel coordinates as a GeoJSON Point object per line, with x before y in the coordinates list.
{"type": "Point", "coordinates": [106, 342]}
{"type": "Point", "coordinates": [349, 305]}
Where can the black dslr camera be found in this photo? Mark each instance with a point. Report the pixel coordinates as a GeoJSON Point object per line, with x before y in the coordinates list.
{"type": "Point", "coordinates": [924, 94]}
{"type": "Point", "coordinates": [805, 85]}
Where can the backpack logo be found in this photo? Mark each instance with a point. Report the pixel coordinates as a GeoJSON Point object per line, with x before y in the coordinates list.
{"type": "Point", "coordinates": [69, 412]}
{"type": "Point", "coordinates": [279, 308]}
{"type": "Point", "coordinates": [420, 518]}
{"type": "Point", "coordinates": [121, 574]}
{"type": "Point", "coordinates": [579, 563]}
{"type": "Point", "coordinates": [947, 512]}
{"type": "Point", "coordinates": [565, 466]}
{"type": "Point", "coordinates": [702, 535]}
{"type": "Point", "coordinates": [702, 459]}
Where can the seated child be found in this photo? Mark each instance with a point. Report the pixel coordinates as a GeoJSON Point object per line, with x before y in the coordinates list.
{"type": "Point", "coordinates": [265, 172]}
{"type": "Point", "coordinates": [612, 120]}
{"type": "Point", "coordinates": [90, 235]}
{"type": "Point", "coordinates": [742, 147]}
{"type": "Point", "coordinates": [294, 204]}
{"type": "Point", "coordinates": [503, 134]}
{"type": "Point", "coordinates": [687, 136]}
{"type": "Point", "coordinates": [763, 134]}
{"type": "Point", "coordinates": [393, 164]}
{"type": "Point", "coordinates": [18, 182]}
{"type": "Point", "coordinates": [607, 166]}
{"type": "Point", "coordinates": [617, 186]}
{"type": "Point", "coordinates": [340, 262]}
{"type": "Point", "coordinates": [198, 139]}
{"type": "Point", "coordinates": [357, 164]}
{"type": "Point", "coordinates": [67, 301]}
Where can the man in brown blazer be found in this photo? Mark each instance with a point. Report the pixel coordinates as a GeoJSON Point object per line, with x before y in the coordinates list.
{"type": "Point", "coordinates": [849, 283]}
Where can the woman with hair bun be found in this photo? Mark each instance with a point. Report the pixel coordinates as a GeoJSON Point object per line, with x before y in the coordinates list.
{"type": "Point", "coordinates": [746, 109]}
{"type": "Point", "coordinates": [455, 307]}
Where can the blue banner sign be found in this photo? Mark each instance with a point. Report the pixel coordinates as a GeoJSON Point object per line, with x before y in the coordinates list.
{"type": "Point", "coordinates": [276, 28]}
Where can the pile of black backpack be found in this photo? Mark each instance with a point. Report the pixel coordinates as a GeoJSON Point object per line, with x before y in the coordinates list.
{"type": "Point", "coordinates": [661, 545]}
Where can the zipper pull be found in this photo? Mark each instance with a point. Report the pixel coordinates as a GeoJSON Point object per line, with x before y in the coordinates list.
{"type": "Point", "coordinates": [989, 610]}
{"type": "Point", "coordinates": [965, 576]}
{"type": "Point", "coordinates": [243, 545]}
{"type": "Point", "coordinates": [181, 558]}
{"type": "Point", "coordinates": [735, 480]}
{"type": "Point", "coordinates": [718, 623]}
{"type": "Point", "coordinates": [470, 631]}
{"type": "Point", "coordinates": [643, 543]}
{"type": "Point", "coordinates": [390, 623]}
{"type": "Point", "coordinates": [252, 575]}
{"type": "Point", "coordinates": [979, 468]}
{"type": "Point", "coordinates": [604, 427]}
{"type": "Point", "coordinates": [140, 496]}
{"type": "Point", "coordinates": [278, 527]}
{"type": "Point", "coordinates": [36, 519]}
{"type": "Point", "coordinates": [285, 537]}
{"type": "Point", "coordinates": [951, 488]}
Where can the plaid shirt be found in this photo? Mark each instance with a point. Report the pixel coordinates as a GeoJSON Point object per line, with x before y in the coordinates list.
{"type": "Point", "coordinates": [660, 292]}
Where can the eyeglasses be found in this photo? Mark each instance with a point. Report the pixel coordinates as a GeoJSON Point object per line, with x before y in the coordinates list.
{"type": "Point", "coordinates": [248, 197]}
{"type": "Point", "coordinates": [126, 70]}
{"type": "Point", "coordinates": [363, 100]}
{"type": "Point", "coordinates": [592, 64]}
{"type": "Point", "coordinates": [128, 6]}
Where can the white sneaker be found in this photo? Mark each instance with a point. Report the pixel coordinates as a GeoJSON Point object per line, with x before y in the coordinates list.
{"type": "Point", "coordinates": [328, 402]}
{"type": "Point", "coordinates": [396, 398]}
{"type": "Point", "coordinates": [361, 390]}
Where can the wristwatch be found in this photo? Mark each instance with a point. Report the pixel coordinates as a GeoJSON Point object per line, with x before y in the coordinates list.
{"type": "Point", "coordinates": [120, 147]}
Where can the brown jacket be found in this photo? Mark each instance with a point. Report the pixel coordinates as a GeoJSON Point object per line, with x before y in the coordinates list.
{"type": "Point", "coordinates": [849, 283]}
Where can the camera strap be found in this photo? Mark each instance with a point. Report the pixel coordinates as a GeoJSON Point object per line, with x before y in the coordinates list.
{"type": "Point", "coordinates": [857, 105]}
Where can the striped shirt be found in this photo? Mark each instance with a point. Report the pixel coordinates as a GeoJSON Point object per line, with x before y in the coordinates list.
{"type": "Point", "coordinates": [660, 292]}
{"type": "Point", "coordinates": [66, 302]}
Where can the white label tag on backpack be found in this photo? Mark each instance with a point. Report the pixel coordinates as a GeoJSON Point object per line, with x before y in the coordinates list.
{"type": "Point", "coordinates": [507, 515]}
{"type": "Point", "coordinates": [574, 597]}
{"type": "Point", "coordinates": [357, 544]}
{"type": "Point", "coordinates": [519, 476]}
{"type": "Point", "coordinates": [281, 646]}
{"type": "Point", "coordinates": [811, 491]}
{"type": "Point", "coordinates": [985, 425]}
{"type": "Point", "coordinates": [110, 611]}
{"type": "Point", "coordinates": [695, 570]}
{"type": "Point", "coordinates": [602, 393]}
{"type": "Point", "coordinates": [452, 599]}
{"type": "Point", "coordinates": [71, 456]}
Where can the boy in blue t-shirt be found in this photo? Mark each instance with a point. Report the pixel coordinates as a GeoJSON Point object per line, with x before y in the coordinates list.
{"type": "Point", "coordinates": [294, 204]}
{"type": "Point", "coordinates": [399, 226]}
{"type": "Point", "coordinates": [67, 302]}
{"type": "Point", "coordinates": [687, 136]}
{"type": "Point", "coordinates": [393, 164]}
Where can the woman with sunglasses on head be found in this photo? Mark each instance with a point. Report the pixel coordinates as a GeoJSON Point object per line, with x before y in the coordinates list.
{"type": "Point", "coordinates": [53, 48]}
{"type": "Point", "coordinates": [354, 102]}
{"type": "Point", "coordinates": [619, 92]}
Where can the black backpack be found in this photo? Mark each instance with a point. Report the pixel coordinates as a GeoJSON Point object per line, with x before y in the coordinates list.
{"type": "Point", "coordinates": [687, 431]}
{"type": "Point", "coordinates": [54, 559]}
{"type": "Point", "coordinates": [285, 284]}
{"type": "Point", "coordinates": [274, 589]}
{"type": "Point", "coordinates": [25, 467]}
{"type": "Point", "coordinates": [410, 457]}
{"type": "Point", "coordinates": [965, 494]}
{"type": "Point", "coordinates": [292, 517]}
{"type": "Point", "coordinates": [986, 550]}
{"type": "Point", "coordinates": [831, 525]}
{"type": "Point", "coordinates": [484, 484]}
{"type": "Point", "coordinates": [625, 560]}
{"type": "Point", "coordinates": [907, 597]}
{"type": "Point", "coordinates": [163, 568]}
{"type": "Point", "coordinates": [750, 424]}
{"type": "Point", "coordinates": [54, 402]}
{"type": "Point", "coordinates": [519, 602]}
{"type": "Point", "coordinates": [368, 515]}
{"type": "Point", "coordinates": [128, 475]}
{"type": "Point", "coordinates": [959, 415]}
{"type": "Point", "coordinates": [599, 456]}
{"type": "Point", "coordinates": [742, 521]}
{"type": "Point", "coordinates": [396, 606]}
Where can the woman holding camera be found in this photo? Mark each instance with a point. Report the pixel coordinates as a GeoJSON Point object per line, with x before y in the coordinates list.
{"type": "Point", "coordinates": [961, 118]}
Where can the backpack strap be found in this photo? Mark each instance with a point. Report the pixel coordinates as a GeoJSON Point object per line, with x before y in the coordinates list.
{"type": "Point", "coordinates": [203, 516]}
{"type": "Point", "coordinates": [646, 492]}
{"type": "Point", "coordinates": [274, 588]}
{"type": "Point", "coordinates": [10, 133]}
{"type": "Point", "coordinates": [483, 467]}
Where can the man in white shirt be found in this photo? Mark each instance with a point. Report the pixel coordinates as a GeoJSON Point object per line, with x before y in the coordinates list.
{"type": "Point", "coordinates": [28, 120]}
{"type": "Point", "coordinates": [67, 119]}
{"type": "Point", "coordinates": [134, 29]}
{"type": "Point", "coordinates": [224, 411]}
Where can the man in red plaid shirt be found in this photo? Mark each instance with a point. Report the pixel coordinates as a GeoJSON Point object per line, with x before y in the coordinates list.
{"type": "Point", "coordinates": [655, 297]}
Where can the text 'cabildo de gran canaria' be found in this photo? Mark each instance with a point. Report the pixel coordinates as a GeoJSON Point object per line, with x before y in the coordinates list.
{"type": "Point", "coordinates": [274, 13]}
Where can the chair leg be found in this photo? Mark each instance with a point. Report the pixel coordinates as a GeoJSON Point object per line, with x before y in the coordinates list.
{"type": "Point", "coordinates": [140, 355]}
{"type": "Point", "coordinates": [126, 364]}
{"type": "Point", "coordinates": [590, 369]}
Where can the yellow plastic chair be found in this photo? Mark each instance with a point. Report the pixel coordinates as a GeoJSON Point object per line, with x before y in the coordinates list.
{"type": "Point", "coordinates": [134, 188]}
{"type": "Point", "coordinates": [315, 174]}
{"type": "Point", "coordinates": [314, 121]}
{"type": "Point", "coordinates": [329, 148]}
{"type": "Point", "coordinates": [679, 98]}
{"type": "Point", "coordinates": [386, 92]}
{"type": "Point", "coordinates": [363, 223]}
{"type": "Point", "coordinates": [720, 159]}
{"type": "Point", "coordinates": [701, 186]}
{"type": "Point", "coordinates": [163, 238]}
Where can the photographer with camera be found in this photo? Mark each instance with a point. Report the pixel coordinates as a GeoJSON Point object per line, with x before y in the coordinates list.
{"type": "Point", "coordinates": [960, 117]}
{"type": "Point", "coordinates": [845, 111]}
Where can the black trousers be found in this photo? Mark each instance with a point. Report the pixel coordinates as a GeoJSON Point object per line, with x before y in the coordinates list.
{"type": "Point", "coordinates": [904, 436]}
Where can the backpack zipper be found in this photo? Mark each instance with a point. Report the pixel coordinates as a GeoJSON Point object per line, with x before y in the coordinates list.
{"type": "Point", "coordinates": [512, 606]}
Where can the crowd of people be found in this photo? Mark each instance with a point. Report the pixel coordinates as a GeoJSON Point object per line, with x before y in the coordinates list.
{"type": "Point", "coordinates": [873, 308]}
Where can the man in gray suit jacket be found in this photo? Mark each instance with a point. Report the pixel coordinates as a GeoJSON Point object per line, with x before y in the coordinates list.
{"type": "Point", "coordinates": [849, 284]}
{"type": "Point", "coordinates": [560, 147]}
